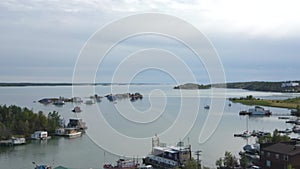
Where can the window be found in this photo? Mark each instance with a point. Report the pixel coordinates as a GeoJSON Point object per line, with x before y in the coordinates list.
{"type": "Point", "coordinates": [285, 157]}
{"type": "Point", "coordinates": [268, 154]}
{"type": "Point", "coordinates": [277, 156]}
{"type": "Point", "coordinates": [268, 163]}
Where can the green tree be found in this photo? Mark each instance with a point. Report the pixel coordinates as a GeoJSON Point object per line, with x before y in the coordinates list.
{"type": "Point", "coordinates": [244, 162]}
{"type": "Point", "coordinates": [297, 113]}
{"type": "Point", "coordinates": [15, 120]}
{"type": "Point", "coordinates": [191, 164]}
{"type": "Point", "coordinates": [290, 166]}
{"type": "Point", "coordinates": [230, 161]}
{"type": "Point", "coordinates": [53, 121]}
{"type": "Point", "coordinates": [219, 163]}
{"type": "Point", "coordinates": [275, 138]}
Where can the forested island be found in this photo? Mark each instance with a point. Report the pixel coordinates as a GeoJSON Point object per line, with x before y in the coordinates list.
{"type": "Point", "coordinates": [192, 86]}
{"type": "Point", "coordinates": [17, 121]}
{"type": "Point", "coordinates": [283, 87]}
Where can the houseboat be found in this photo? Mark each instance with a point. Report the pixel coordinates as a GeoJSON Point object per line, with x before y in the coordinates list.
{"type": "Point", "coordinates": [40, 135]}
{"type": "Point", "coordinates": [123, 164]}
{"type": "Point", "coordinates": [145, 167]}
{"type": "Point", "coordinates": [168, 157]}
{"type": "Point", "coordinates": [18, 141]}
{"type": "Point", "coordinates": [59, 102]}
{"type": "Point", "coordinates": [89, 102]}
{"type": "Point", "coordinates": [77, 123]}
{"type": "Point", "coordinates": [68, 132]}
{"type": "Point", "coordinates": [72, 133]}
{"type": "Point", "coordinates": [257, 110]}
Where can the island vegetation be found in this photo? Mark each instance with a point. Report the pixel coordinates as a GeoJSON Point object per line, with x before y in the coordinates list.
{"type": "Point", "coordinates": [17, 121]}
{"type": "Point", "coordinates": [259, 86]}
{"type": "Point", "coordinates": [252, 86]}
{"type": "Point", "coordinates": [192, 86]}
{"type": "Point", "coordinates": [291, 103]}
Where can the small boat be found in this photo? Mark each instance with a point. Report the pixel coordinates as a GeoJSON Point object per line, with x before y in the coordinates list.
{"type": "Point", "coordinates": [42, 166]}
{"type": "Point", "coordinates": [72, 133]}
{"type": "Point", "coordinates": [245, 134]}
{"type": "Point", "coordinates": [145, 167]}
{"type": "Point", "coordinates": [283, 118]}
{"type": "Point", "coordinates": [76, 109]}
{"type": "Point", "coordinates": [206, 107]}
{"type": "Point", "coordinates": [123, 164]}
{"type": "Point", "coordinates": [77, 100]}
{"type": "Point", "coordinates": [243, 112]}
{"type": "Point", "coordinates": [252, 149]}
{"type": "Point", "coordinates": [296, 129]}
{"type": "Point", "coordinates": [286, 131]}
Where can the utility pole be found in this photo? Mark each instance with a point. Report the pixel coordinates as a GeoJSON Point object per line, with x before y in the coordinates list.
{"type": "Point", "coordinates": [197, 153]}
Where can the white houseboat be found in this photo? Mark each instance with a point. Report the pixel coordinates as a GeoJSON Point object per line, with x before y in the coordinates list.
{"type": "Point", "coordinates": [18, 141]}
{"type": "Point", "coordinates": [40, 135]}
{"type": "Point", "coordinates": [168, 156]}
{"type": "Point", "coordinates": [257, 110]}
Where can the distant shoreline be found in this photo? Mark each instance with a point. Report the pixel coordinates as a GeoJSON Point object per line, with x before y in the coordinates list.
{"type": "Point", "coordinates": [74, 84]}
{"type": "Point", "coordinates": [260, 86]}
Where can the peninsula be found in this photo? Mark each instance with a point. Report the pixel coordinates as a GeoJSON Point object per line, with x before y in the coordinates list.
{"type": "Point", "coordinates": [283, 86]}
{"type": "Point", "coordinates": [291, 103]}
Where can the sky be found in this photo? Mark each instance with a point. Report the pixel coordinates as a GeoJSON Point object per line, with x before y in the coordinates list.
{"type": "Point", "coordinates": [256, 40]}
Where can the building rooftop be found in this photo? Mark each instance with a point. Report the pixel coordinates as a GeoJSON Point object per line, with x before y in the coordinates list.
{"type": "Point", "coordinates": [283, 148]}
{"type": "Point", "coordinates": [171, 149]}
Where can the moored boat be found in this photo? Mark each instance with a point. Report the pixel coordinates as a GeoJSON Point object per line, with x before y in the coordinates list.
{"type": "Point", "coordinates": [245, 134]}
{"type": "Point", "coordinates": [206, 107]}
{"type": "Point", "coordinates": [59, 102]}
{"type": "Point", "coordinates": [18, 141]}
{"type": "Point", "coordinates": [40, 135]}
{"type": "Point", "coordinates": [296, 129]}
{"type": "Point", "coordinates": [76, 109]}
{"type": "Point", "coordinates": [89, 102]}
{"type": "Point", "coordinates": [123, 164]}
{"type": "Point", "coordinates": [259, 111]}
{"type": "Point", "coordinates": [71, 133]}
{"type": "Point", "coordinates": [163, 156]}
{"type": "Point", "coordinates": [256, 111]}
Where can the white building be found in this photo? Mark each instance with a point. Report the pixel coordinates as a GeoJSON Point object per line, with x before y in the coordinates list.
{"type": "Point", "coordinates": [289, 84]}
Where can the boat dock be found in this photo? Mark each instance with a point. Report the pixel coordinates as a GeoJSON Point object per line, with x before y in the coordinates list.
{"type": "Point", "coordinates": [6, 143]}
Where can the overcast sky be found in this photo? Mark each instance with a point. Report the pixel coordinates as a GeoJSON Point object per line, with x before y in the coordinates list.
{"type": "Point", "coordinates": [255, 39]}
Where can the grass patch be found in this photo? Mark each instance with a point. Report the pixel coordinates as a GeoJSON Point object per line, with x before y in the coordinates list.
{"type": "Point", "coordinates": [291, 103]}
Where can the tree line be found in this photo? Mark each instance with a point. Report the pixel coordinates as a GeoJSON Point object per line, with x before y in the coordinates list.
{"type": "Point", "coordinates": [19, 121]}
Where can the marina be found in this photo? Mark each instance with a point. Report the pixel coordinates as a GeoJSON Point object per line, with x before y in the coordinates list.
{"type": "Point", "coordinates": [82, 152]}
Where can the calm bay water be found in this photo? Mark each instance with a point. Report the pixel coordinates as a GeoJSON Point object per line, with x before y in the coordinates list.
{"type": "Point", "coordinates": [84, 152]}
